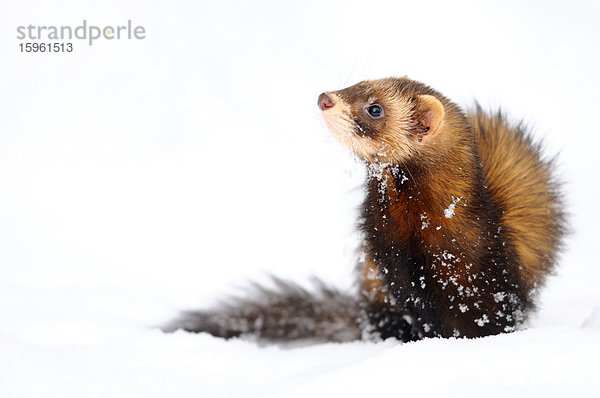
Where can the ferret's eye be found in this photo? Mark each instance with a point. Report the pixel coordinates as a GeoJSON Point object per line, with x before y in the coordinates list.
{"type": "Point", "coordinates": [375, 111]}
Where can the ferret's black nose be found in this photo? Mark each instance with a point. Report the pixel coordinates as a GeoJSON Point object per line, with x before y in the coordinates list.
{"type": "Point", "coordinates": [324, 102]}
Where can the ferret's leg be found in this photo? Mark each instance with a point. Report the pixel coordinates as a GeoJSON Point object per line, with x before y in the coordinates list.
{"type": "Point", "coordinates": [381, 317]}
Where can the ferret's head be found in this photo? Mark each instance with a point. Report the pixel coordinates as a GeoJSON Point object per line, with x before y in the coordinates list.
{"type": "Point", "coordinates": [389, 120]}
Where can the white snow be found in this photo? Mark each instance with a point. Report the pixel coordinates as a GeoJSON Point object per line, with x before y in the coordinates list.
{"type": "Point", "coordinates": [141, 178]}
{"type": "Point", "coordinates": [449, 212]}
{"type": "Point", "coordinates": [593, 321]}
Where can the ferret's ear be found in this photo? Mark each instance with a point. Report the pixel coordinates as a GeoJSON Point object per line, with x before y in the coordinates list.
{"type": "Point", "coordinates": [430, 115]}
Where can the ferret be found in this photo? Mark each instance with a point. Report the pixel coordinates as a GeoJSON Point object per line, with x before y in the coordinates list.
{"type": "Point", "coordinates": [462, 222]}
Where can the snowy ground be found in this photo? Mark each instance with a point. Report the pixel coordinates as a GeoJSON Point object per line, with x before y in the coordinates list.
{"type": "Point", "coordinates": [138, 178]}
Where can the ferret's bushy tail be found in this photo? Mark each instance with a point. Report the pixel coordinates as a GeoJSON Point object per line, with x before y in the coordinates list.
{"type": "Point", "coordinates": [285, 312]}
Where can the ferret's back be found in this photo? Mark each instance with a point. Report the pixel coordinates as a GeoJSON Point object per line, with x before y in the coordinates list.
{"type": "Point", "coordinates": [523, 187]}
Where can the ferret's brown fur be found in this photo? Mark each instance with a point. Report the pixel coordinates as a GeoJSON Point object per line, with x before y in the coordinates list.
{"type": "Point", "coordinates": [462, 221]}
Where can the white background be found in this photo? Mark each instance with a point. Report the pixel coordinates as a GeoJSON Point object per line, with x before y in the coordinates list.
{"type": "Point", "coordinates": [139, 178]}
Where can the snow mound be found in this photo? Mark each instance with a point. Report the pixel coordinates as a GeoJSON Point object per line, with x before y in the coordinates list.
{"type": "Point", "coordinates": [593, 321]}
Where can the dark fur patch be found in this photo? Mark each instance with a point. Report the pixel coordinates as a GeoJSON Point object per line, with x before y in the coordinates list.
{"type": "Point", "coordinates": [285, 312]}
